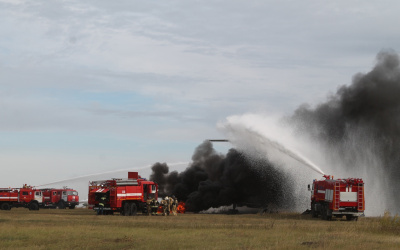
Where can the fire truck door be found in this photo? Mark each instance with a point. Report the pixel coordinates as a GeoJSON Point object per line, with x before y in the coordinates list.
{"type": "Point", "coordinates": [39, 196]}
{"type": "Point", "coordinates": [145, 191]}
{"type": "Point", "coordinates": [24, 195]}
{"type": "Point", "coordinates": [56, 197]}
{"type": "Point", "coordinates": [151, 191]}
{"type": "Point", "coordinates": [64, 196]}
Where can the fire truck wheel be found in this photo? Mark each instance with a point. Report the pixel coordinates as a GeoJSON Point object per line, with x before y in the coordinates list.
{"type": "Point", "coordinates": [127, 209]}
{"type": "Point", "coordinates": [133, 209]}
{"type": "Point", "coordinates": [324, 212]}
{"type": "Point", "coordinates": [61, 205]}
{"type": "Point", "coordinates": [72, 207]}
{"type": "Point", "coordinates": [314, 213]}
{"type": "Point", "coordinates": [33, 206]}
{"type": "Point", "coordinates": [5, 206]}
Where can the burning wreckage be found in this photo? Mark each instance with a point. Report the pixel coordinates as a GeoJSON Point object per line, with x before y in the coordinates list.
{"type": "Point", "coordinates": [213, 180]}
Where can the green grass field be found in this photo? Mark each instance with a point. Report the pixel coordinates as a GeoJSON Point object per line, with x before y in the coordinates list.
{"type": "Point", "coordinates": [82, 229]}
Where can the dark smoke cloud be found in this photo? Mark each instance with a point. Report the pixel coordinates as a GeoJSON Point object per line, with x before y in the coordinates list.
{"type": "Point", "coordinates": [370, 104]}
{"type": "Point", "coordinates": [371, 100]}
{"type": "Point", "coordinates": [213, 180]}
{"type": "Point", "coordinates": [369, 108]}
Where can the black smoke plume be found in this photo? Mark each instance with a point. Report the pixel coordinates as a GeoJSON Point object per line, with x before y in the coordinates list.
{"type": "Point", "coordinates": [359, 117]}
{"type": "Point", "coordinates": [213, 180]}
{"type": "Point", "coordinates": [371, 104]}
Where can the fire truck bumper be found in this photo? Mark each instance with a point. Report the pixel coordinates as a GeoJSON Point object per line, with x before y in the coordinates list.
{"type": "Point", "coordinates": [357, 214]}
{"type": "Point", "coordinates": [72, 203]}
{"type": "Point", "coordinates": [106, 208]}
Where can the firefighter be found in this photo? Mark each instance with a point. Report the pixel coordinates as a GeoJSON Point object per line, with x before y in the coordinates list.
{"type": "Point", "coordinates": [171, 203]}
{"type": "Point", "coordinates": [168, 205]}
{"type": "Point", "coordinates": [165, 204]}
{"type": "Point", "coordinates": [174, 205]}
{"type": "Point", "coordinates": [154, 206]}
{"type": "Point", "coordinates": [101, 205]}
{"type": "Point", "coordinates": [148, 206]}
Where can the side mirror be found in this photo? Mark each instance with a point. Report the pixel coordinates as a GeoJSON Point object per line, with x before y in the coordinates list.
{"type": "Point", "coordinates": [309, 187]}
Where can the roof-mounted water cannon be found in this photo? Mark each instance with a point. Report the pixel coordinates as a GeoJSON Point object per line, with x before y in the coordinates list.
{"type": "Point", "coordinates": [328, 177]}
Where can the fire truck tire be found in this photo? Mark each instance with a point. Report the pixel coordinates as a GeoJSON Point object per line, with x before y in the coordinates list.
{"type": "Point", "coordinates": [314, 213]}
{"type": "Point", "coordinates": [133, 211]}
{"type": "Point", "coordinates": [324, 212]}
{"type": "Point", "coordinates": [127, 209]}
{"type": "Point", "coordinates": [61, 205]}
{"type": "Point", "coordinates": [5, 206]}
{"type": "Point", "coordinates": [72, 207]}
{"type": "Point", "coordinates": [33, 206]}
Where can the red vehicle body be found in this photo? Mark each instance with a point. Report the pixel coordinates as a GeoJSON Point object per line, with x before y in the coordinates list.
{"type": "Point", "coordinates": [126, 196]}
{"type": "Point", "coordinates": [60, 198]}
{"type": "Point", "coordinates": [340, 197]}
{"type": "Point", "coordinates": [20, 197]}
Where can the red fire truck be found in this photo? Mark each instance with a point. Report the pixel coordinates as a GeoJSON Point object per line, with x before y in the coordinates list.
{"type": "Point", "coordinates": [126, 196]}
{"type": "Point", "coordinates": [337, 197]}
{"type": "Point", "coordinates": [20, 197]}
{"type": "Point", "coordinates": [60, 198]}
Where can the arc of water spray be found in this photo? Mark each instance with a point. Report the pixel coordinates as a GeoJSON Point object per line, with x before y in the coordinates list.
{"type": "Point", "coordinates": [265, 140]}
{"type": "Point", "coordinates": [107, 172]}
{"type": "Point", "coordinates": [294, 155]}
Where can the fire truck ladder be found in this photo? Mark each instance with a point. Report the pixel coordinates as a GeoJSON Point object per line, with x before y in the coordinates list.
{"type": "Point", "coordinates": [360, 197]}
{"type": "Point", "coordinates": [113, 196]}
{"type": "Point", "coordinates": [336, 198]}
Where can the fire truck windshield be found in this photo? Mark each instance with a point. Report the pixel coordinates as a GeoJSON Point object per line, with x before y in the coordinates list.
{"type": "Point", "coordinates": [72, 193]}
